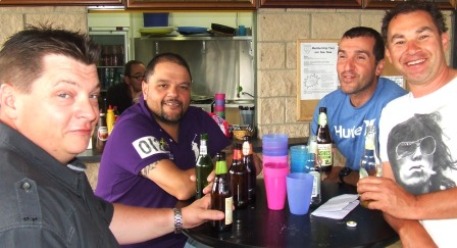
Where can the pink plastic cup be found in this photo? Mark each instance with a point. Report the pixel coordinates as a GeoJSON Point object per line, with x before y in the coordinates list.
{"type": "Point", "coordinates": [275, 184]}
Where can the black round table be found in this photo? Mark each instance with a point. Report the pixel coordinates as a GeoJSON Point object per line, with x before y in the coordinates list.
{"type": "Point", "coordinates": [260, 227]}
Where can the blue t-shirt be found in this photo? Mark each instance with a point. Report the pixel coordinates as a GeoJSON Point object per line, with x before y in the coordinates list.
{"type": "Point", "coordinates": [136, 141]}
{"type": "Point", "coordinates": [347, 123]}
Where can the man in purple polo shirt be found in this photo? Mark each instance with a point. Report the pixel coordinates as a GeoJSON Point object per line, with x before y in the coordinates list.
{"type": "Point", "coordinates": [150, 155]}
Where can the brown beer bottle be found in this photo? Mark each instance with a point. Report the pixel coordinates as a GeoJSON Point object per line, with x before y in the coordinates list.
{"type": "Point", "coordinates": [324, 153]}
{"type": "Point", "coordinates": [203, 167]}
{"type": "Point", "coordinates": [102, 133]}
{"type": "Point", "coordinates": [221, 195]}
{"type": "Point", "coordinates": [248, 162]}
{"type": "Point", "coordinates": [238, 178]}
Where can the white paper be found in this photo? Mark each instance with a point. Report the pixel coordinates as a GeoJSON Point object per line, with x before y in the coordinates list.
{"type": "Point", "coordinates": [318, 69]}
{"type": "Point", "coordinates": [337, 207]}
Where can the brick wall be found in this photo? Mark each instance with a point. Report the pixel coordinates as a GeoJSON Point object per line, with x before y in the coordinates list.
{"type": "Point", "coordinates": [14, 19]}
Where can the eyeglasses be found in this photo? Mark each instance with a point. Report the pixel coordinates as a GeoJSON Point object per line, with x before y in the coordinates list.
{"type": "Point", "coordinates": [137, 77]}
{"type": "Point", "coordinates": [427, 146]}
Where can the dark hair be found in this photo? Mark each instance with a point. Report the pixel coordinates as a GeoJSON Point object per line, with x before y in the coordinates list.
{"type": "Point", "coordinates": [128, 67]}
{"type": "Point", "coordinates": [22, 54]}
{"type": "Point", "coordinates": [165, 57]}
{"type": "Point", "coordinates": [378, 48]}
{"type": "Point", "coordinates": [412, 6]}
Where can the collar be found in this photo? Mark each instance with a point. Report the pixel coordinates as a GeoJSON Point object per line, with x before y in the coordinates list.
{"type": "Point", "coordinates": [11, 139]}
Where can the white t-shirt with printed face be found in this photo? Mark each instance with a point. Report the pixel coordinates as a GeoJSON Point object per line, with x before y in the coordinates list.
{"type": "Point", "coordinates": [419, 138]}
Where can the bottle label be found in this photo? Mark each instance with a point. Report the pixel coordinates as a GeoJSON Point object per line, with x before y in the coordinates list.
{"type": "Point", "coordinates": [322, 121]}
{"type": "Point", "coordinates": [325, 155]}
{"type": "Point", "coordinates": [228, 210]}
{"type": "Point", "coordinates": [246, 148]}
{"type": "Point", "coordinates": [203, 149]}
{"type": "Point", "coordinates": [316, 184]}
{"type": "Point", "coordinates": [102, 133]}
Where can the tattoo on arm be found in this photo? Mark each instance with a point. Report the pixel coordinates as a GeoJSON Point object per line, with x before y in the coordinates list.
{"type": "Point", "coordinates": [145, 171]}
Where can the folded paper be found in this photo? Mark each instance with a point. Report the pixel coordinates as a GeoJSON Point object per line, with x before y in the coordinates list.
{"type": "Point", "coordinates": [337, 207]}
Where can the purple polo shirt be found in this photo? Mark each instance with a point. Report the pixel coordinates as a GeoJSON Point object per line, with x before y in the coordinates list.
{"type": "Point", "coordinates": [137, 141]}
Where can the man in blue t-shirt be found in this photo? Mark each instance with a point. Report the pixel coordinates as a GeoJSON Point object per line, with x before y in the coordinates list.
{"type": "Point", "coordinates": [359, 100]}
{"type": "Point", "coordinates": [151, 152]}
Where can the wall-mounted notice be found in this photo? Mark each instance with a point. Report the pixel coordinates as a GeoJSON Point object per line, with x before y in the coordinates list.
{"type": "Point", "coordinates": [317, 75]}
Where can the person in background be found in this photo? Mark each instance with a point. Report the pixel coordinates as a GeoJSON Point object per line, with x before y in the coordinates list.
{"type": "Point", "coordinates": [151, 153]}
{"type": "Point", "coordinates": [358, 101]}
{"type": "Point", "coordinates": [424, 215]}
{"type": "Point", "coordinates": [46, 198]}
{"type": "Point", "coordinates": [123, 95]}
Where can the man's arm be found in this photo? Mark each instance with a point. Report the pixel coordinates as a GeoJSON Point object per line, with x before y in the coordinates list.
{"type": "Point", "coordinates": [412, 233]}
{"type": "Point", "coordinates": [392, 199]}
{"type": "Point", "coordinates": [134, 224]}
{"type": "Point", "coordinates": [170, 178]}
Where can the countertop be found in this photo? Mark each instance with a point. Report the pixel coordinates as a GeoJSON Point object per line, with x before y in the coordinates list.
{"type": "Point", "coordinates": [93, 156]}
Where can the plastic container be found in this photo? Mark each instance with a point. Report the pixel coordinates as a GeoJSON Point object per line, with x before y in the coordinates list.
{"type": "Point", "coordinates": [155, 19]}
{"type": "Point", "coordinates": [275, 145]}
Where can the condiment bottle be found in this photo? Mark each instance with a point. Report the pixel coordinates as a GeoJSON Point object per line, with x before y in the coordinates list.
{"type": "Point", "coordinates": [203, 167]}
{"type": "Point", "coordinates": [110, 119]}
{"type": "Point", "coordinates": [102, 133]}
{"type": "Point", "coordinates": [221, 195]}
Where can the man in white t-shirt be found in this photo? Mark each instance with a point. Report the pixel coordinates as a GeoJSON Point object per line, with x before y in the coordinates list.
{"type": "Point", "coordinates": [417, 132]}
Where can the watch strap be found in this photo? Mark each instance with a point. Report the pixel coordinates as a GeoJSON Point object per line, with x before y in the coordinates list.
{"type": "Point", "coordinates": [177, 220]}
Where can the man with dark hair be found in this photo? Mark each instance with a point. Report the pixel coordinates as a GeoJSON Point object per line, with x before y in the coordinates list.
{"type": "Point", "coordinates": [359, 100]}
{"type": "Point", "coordinates": [417, 132]}
{"type": "Point", "coordinates": [152, 151]}
{"type": "Point", "coordinates": [123, 95]}
{"type": "Point", "coordinates": [49, 107]}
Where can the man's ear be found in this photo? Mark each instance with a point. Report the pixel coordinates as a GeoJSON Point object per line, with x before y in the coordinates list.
{"type": "Point", "coordinates": [8, 99]}
{"type": "Point", "coordinates": [145, 88]}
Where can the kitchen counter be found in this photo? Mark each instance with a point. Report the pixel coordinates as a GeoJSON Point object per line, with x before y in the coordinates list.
{"type": "Point", "coordinates": [92, 156]}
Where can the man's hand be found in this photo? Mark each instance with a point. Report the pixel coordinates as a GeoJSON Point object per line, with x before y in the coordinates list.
{"type": "Point", "coordinates": [198, 212]}
{"type": "Point", "coordinates": [386, 195]}
{"type": "Point", "coordinates": [210, 179]}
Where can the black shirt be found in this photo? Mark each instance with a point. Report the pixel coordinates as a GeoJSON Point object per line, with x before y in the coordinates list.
{"type": "Point", "coordinates": [45, 203]}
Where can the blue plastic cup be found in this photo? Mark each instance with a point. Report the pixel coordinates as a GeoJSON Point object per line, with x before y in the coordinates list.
{"type": "Point", "coordinates": [299, 158]}
{"type": "Point", "coordinates": [299, 188]}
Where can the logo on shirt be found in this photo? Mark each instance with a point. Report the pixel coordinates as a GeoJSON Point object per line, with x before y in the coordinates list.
{"type": "Point", "coordinates": [149, 145]}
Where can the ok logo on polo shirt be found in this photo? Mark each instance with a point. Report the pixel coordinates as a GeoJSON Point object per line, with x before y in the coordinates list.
{"type": "Point", "coordinates": [147, 146]}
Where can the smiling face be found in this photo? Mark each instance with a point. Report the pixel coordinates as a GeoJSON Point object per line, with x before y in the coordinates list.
{"type": "Point", "coordinates": [416, 48]}
{"type": "Point", "coordinates": [167, 92]}
{"type": "Point", "coordinates": [61, 109]}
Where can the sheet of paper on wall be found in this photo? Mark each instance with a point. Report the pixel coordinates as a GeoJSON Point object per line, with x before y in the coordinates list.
{"type": "Point", "coordinates": [318, 75]}
{"type": "Point", "coordinates": [397, 79]}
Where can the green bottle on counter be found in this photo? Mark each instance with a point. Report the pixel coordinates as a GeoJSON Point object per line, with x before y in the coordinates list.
{"type": "Point", "coordinates": [203, 167]}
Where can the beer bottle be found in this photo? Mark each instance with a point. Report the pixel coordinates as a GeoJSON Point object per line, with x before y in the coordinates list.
{"type": "Point", "coordinates": [102, 133]}
{"type": "Point", "coordinates": [248, 162]}
{"type": "Point", "coordinates": [370, 164]}
{"type": "Point", "coordinates": [203, 167]}
{"type": "Point", "coordinates": [221, 195]}
{"type": "Point", "coordinates": [324, 142]}
{"type": "Point", "coordinates": [238, 178]}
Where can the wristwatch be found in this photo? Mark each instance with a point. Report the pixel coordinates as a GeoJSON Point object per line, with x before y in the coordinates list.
{"type": "Point", "coordinates": [344, 172]}
{"type": "Point", "coordinates": [177, 219]}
